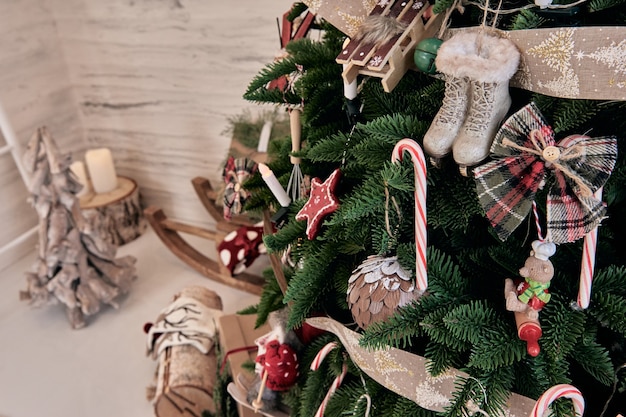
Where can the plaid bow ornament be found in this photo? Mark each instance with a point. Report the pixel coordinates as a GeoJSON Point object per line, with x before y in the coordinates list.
{"type": "Point", "coordinates": [524, 153]}
{"type": "Point", "coordinates": [236, 172]}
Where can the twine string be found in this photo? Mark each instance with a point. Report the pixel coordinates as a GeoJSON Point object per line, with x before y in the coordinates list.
{"type": "Point", "coordinates": [392, 235]}
{"type": "Point", "coordinates": [615, 382]}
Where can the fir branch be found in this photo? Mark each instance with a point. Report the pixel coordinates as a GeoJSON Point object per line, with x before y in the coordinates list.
{"type": "Point", "coordinates": [562, 328]}
{"type": "Point", "coordinates": [614, 191]}
{"type": "Point", "coordinates": [391, 128]}
{"type": "Point", "coordinates": [368, 200]}
{"type": "Point", "coordinates": [313, 392]}
{"type": "Point", "coordinates": [609, 310]}
{"type": "Point", "coordinates": [461, 397]}
{"type": "Point", "coordinates": [469, 322]}
{"type": "Point", "coordinates": [571, 114]}
{"type": "Point", "coordinates": [441, 358]}
{"type": "Point", "coordinates": [445, 279]}
{"type": "Point", "coordinates": [609, 280]}
{"type": "Point", "coordinates": [252, 309]}
{"type": "Point", "coordinates": [497, 386]}
{"type": "Point", "coordinates": [526, 19]}
{"type": "Point", "coordinates": [548, 372]}
{"type": "Point", "coordinates": [599, 5]}
{"type": "Point", "coordinates": [594, 359]}
{"type": "Point", "coordinates": [455, 205]}
{"type": "Point", "coordinates": [427, 100]}
{"type": "Point", "coordinates": [403, 407]}
{"type": "Point", "coordinates": [434, 326]}
{"type": "Point", "coordinates": [289, 233]}
{"type": "Point", "coordinates": [397, 331]}
{"type": "Point", "coordinates": [497, 348]}
{"type": "Point", "coordinates": [328, 149]}
{"type": "Point", "coordinates": [271, 298]}
{"type": "Point", "coordinates": [309, 285]}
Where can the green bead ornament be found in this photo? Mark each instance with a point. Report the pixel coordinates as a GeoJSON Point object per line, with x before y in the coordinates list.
{"type": "Point", "coordinates": [425, 54]}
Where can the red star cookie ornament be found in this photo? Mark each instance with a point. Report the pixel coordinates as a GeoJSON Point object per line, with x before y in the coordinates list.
{"type": "Point", "coordinates": [321, 203]}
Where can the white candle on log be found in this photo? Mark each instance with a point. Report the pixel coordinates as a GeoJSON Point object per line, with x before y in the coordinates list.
{"type": "Point", "coordinates": [101, 170]}
{"type": "Point", "coordinates": [275, 187]}
{"type": "Point", "coordinates": [78, 168]}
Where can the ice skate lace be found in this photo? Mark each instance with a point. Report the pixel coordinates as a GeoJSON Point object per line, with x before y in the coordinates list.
{"type": "Point", "coordinates": [454, 101]}
{"type": "Point", "coordinates": [481, 108]}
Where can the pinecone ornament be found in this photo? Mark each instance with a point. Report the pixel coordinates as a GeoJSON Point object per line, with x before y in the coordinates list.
{"type": "Point", "coordinates": [377, 288]}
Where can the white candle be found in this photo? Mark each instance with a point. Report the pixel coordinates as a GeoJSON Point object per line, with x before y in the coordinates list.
{"type": "Point", "coordinates": [274, 185]}
{"type": "Point", "coordinates": [101, 170]}
{"type": "Point", "coordinates": [350, 90]}
{"type": "Point", "coordinates": [78, 168]}
{"type": "Point", "coordinates": [264, 138]}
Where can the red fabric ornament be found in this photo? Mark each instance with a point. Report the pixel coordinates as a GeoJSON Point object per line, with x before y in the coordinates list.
{"type": "Point", "coordinates": [308, 333]}
{"type": "Point", "coordinates": [281, 364]}
{"type": "Point", "coordinates": [240, 248]}
{"type": "Point", "coordinates": [321, 203]}
{"type": "Point", "coordinates": [236, 173]}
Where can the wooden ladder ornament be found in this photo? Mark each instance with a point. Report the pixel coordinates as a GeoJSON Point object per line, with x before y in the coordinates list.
{"type": "Point", "coordinates": [169, 231]}
{"type": "Point", "coordinates": [390, 60]}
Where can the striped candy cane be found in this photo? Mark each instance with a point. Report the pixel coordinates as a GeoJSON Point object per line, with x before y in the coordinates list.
{"type": "Point", "coordinates": [419, 166]}
{"type": "Point", "coordinates": [559, 391]}
{"type": "Point", "coordinates": [588, 262]}
{"type": "Point", "coordinates": [336, 383]}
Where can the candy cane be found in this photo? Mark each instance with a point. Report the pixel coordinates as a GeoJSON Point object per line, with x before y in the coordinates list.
{"type": "Point", "coordinates": [336, 383]}
{"type": "Point", "coordinates": [588, 262]}
{"type": "Point", "coordinates": [559, 391]}
{"type": "Point", "coordinates": [419, 167]}
{"type": "Point", "coordinates": [321, 355]}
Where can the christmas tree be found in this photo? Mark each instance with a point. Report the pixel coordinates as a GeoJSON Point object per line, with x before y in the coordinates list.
{"type": "Point", "coordinates": [460, 320]}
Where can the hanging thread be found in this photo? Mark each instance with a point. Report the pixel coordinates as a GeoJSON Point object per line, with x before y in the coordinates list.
{"type": "Point", "coordinates": [615, 382]}
{"type": "Point", "coordinates": [392, 235]}
{"type": "Point", "coordinates": [472, 406]}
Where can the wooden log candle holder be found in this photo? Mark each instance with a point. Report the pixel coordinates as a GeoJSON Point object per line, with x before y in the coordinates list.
{"type": "Point", "coordinates": [116, 215]}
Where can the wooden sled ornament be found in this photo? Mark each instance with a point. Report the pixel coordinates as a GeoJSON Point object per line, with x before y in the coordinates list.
{"type": "Point", "coordinates": [390, 60]}
{"type": "Point", "coordinates": [169, 231]}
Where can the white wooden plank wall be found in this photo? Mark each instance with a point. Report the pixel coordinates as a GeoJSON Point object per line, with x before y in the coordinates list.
{"type": "Point", "coordinates": [35, 90]}
{"type": "Point", "coordinates": [156, 81]}
{"type": "Point", "coordinates": [153, 80]}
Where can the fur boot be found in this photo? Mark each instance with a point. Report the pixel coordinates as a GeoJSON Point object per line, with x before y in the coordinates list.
{"type": "Point", "coordinates": [477, 68]}
{"type": "Point", "coordinates": [446, 124]}
{"type": "Point", "coordinates": [489, 62]}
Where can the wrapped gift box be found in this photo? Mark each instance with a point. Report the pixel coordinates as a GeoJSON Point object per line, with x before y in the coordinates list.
{"type": "Point", "coordinates": [236, 332]}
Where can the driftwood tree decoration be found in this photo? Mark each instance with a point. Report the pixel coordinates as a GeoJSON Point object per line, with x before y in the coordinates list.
{"type": "Point", "coordinates": [74, 264]}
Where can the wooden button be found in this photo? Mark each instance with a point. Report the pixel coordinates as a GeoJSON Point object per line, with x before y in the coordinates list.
{"type": "Point", "coordinates": [551, 153]}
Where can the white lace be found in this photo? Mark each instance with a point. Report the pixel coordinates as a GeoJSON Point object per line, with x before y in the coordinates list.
{"type": "Point", "coordinates": [482, 106]}
{"type": "Point", "coordinates": [454, 101]}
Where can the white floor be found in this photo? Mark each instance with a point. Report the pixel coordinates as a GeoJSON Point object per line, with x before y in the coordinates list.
{"type": "Point", "coordinates": [49, 370]}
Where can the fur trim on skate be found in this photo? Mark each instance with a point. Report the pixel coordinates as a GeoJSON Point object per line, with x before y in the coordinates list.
{"type": "Point", "coordinates": [497, 62]}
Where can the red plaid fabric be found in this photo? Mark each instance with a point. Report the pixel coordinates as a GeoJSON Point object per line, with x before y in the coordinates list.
{"type": "Point", "coordinates": [507, 185]}
{"type": "Point", "coordinates": [236, 172]}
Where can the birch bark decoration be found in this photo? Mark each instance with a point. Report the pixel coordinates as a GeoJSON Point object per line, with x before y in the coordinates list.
{"type": "Point", "coordinates": [74, 264]}
{"type": "Point", "coordinates": [182, 340]}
